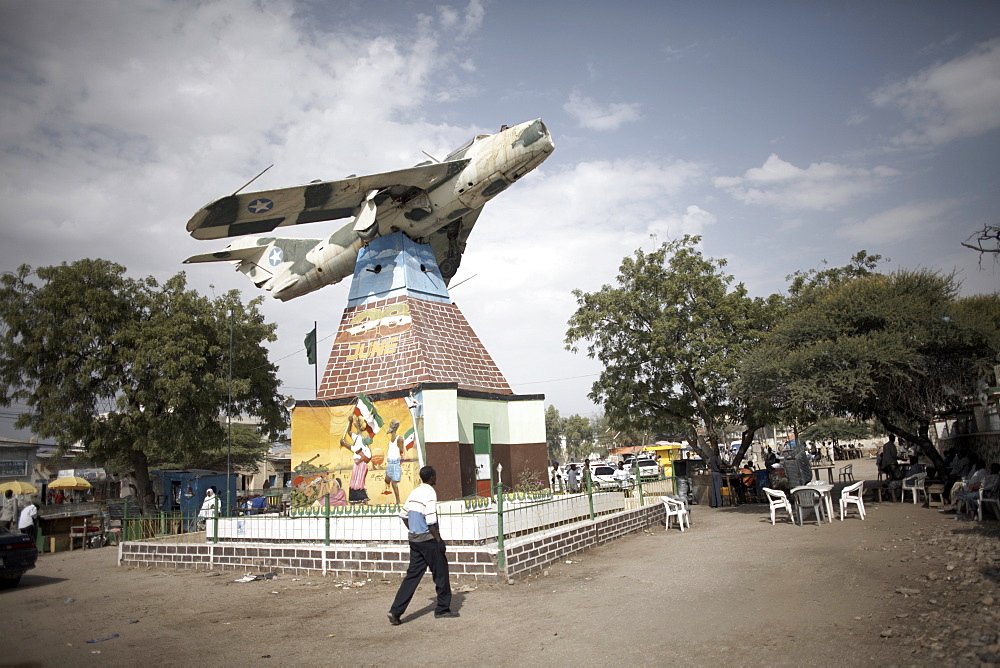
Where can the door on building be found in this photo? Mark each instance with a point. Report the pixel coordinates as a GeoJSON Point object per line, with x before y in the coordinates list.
{"type": "Point", "coordinates": [482, 446]}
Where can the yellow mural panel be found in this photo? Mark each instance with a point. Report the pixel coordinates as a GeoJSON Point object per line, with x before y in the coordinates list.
{"type": "Point", "coordinates": [360, 453]}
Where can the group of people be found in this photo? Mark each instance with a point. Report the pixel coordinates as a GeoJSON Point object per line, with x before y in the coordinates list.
{"type": "Point", "coordinates": [568, 479]}
{"type": "Point", "coordinates": [963, 476]}
{"type": "Point", "coordinates": [14, 517]}
{"type": "Point", "coordinates": [966, 476]}
{"type": "Point", "coordinates": [359, 442]}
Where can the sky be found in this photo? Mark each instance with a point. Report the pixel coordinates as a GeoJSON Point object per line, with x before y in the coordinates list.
{"type": "Point", "coordinates": [786, 134]}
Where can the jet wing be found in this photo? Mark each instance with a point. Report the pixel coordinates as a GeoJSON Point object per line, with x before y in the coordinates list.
{"type": "Point", "coordinates": [263, 211]}
{"type": "Point", "coordinates": [226, 255]}
{"type": "Point", "coordinates": [448, 243]}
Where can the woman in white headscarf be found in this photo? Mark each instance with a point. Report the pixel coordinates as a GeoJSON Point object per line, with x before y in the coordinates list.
{"type": "Point", "coordinates": [207, 506]}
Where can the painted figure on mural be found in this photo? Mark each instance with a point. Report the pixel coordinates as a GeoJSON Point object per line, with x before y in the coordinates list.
{"type": "Point", "coordinates": [393, 460]}
{"type": "Point", "coordinates": [359, 444]}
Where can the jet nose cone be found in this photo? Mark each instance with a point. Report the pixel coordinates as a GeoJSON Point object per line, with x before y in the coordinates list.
{"type": "Point", "coordinates": [533, 135]}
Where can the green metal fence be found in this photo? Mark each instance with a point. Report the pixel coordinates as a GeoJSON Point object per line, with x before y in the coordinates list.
{"type": "Point", "coordinates": [506, 514]}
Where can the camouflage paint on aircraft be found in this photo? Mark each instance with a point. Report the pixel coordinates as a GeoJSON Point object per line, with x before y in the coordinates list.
{"type": "Point", "coordinates": [436, 202]}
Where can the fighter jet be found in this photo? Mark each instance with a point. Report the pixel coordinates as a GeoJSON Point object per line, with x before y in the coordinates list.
{"type": "Point", "coordinates": [435, 202]}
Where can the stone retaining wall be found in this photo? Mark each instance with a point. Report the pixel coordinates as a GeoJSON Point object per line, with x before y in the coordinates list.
{"type": "Point", "coordinates": [524, 555]}
{"type": "Point", "coordinates": [985, 445]}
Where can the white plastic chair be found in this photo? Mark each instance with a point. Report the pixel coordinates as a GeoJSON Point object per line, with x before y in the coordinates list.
{"type": "Point", "coordinates": [676, 508]}
{"type": "Point", "coordinates": [852, 494]}
{"type": "Point", "coordinates": [776, 499]}
{"type": "Point", "coordinates": [915, 485]}
{"type": "Point", "coordinates": [984, 500]}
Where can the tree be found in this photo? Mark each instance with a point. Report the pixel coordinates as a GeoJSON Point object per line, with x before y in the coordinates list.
{"type": "Point", "coordinates": [553, 433]}
{"type": "Point", "coordinates": [671, 336]}
{"type": "Point", "coordinates": [135, 371]}
{"type": "Point", "coordinates": [986, 241]}
{"type": "Point", "coordinates": [901, 348]}
{"type": "Point", "coordinates": [836, 429]}
{"type": "Point", "coordinates": [247, 451]}
{"type": "Point", "coordinates": [579, 434]}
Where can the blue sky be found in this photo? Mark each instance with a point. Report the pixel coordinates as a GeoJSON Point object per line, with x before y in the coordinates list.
{"type": "Point", "coordinates": [785, 133]}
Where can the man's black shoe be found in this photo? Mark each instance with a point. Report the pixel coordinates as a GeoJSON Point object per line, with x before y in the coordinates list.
{"type": "Point", "coordinates": [394, 620]}
{"type": "Point", "coordinates": [446, 613]}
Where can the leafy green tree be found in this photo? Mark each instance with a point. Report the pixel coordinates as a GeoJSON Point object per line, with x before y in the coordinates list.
{"type": "Point", "coordinates": [249, 448]}
{"type": "Point", "coordinates": [900, 348]}
{"type": "Point", "coordinates": [135, 371]}
{"type": "Point", "coordinates": [836, 429]}
{"type": "Point", "coordinates": [553, 433]}
{"type": "Point", "coordinates": [579, 435]}
{"type": "Point", "coordinates": [671, 336]}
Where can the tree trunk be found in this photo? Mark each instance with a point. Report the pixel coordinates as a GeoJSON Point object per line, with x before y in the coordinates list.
{"type": "Point", "coordinates": [746, 441]}
{"type": "Point", "coordinates": [696, 446]}
{"type": "Point", "coordinates": [140, 470]}
{"type": "Point", "coordinates": [921, 439]}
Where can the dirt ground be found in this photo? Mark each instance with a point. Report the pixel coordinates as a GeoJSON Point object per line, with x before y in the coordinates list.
{"type": "Point", "coordinates": [907, 586]}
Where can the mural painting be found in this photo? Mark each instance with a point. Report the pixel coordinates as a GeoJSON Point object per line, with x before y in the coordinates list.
{"type": "Point", "coordinates": [361, 453]}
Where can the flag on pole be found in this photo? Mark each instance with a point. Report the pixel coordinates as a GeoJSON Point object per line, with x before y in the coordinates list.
{"type": "Point", "coordinates": [409, 439]}
{"type": "Point", "coordinates": [366, 409]}
{"type": "Point", "coordinates": [311, 346]}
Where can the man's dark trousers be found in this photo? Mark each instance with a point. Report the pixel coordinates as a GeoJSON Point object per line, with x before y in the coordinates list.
{"type": "Point", "coordinates": [424, 555]}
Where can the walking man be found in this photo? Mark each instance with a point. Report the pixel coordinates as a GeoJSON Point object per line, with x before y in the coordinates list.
{"type": "Point", "coordinates": [419, 514]}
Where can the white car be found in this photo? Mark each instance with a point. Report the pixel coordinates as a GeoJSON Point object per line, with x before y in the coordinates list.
{"type": "Point", "coordinates": [648, 468]}
{"type": "Point", "coordinates": [604, 477]}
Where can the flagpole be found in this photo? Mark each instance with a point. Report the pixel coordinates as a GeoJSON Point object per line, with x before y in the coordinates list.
{"type": "Point", "coordinates": [316, 365]}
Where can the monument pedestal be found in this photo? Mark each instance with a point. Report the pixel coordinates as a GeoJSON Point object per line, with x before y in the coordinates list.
{"type": "Point", "coordinates": [404, 352]}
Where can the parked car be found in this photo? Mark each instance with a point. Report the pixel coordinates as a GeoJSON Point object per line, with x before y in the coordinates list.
{"type": "Point", "coordinates": [17, 555]}
{"type": "Point", "coordinates": [604, 477]}
{"type": "Point", "coordinates": [648, 468]}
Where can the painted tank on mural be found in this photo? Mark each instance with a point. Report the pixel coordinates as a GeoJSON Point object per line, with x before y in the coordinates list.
{"type": "Point", "coordinates": [435, 202]}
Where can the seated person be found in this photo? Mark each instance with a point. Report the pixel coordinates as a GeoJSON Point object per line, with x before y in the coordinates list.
{"type": "Point", "coordinates": [257, 504]}
{"type": "Point", "coordinates": [749, 480]}
{"type": "Point", "coordinates": [974, 480]}
{"type": "Point", "coordinates": [913, 469]}
{"type": "Point", "coordinates": [970, 495]}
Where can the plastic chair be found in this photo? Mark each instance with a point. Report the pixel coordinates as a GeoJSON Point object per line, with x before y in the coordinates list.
{"type": "Point", "coordinates": [814, 500]}
{"type": "Point", "coordinates": [676, 508]}
{"type": "Point", "coordinates": [852, 494]}
{"type": "Point", "coordinates": [847, 473]}
{"type": "Point", "coordinates": [914, 484]}
{"type": "Point", "coordinates": [776, 499]}
{"type": "Point", "coordinates": [992, 501]}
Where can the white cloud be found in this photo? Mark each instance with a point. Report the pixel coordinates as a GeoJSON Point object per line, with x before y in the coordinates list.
{"type": "Point", "coordinates": [909, 221]}
{"type": "Point", "coordinates": [463, 25]}
{"type": "Point", "coordinates": [554, 232]}
{"type": "Point", "coordinates": [595, 116]}
{"type": "Point", "coordinates": [119, 123]}
{"type": "Point", "coordinates": [820, 186]}
{"type": "Point", "coordinates": [959, 98]}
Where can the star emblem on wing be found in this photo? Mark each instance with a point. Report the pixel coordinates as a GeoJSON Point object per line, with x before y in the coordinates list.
{"type": "Point", "coordinates": [260, 205]}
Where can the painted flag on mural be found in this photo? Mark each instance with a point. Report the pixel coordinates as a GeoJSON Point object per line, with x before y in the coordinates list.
{"type": "Point", "coordinates": [366, 409]}
{"type": "Point", "coordinates": [311, 346]}
{"type": "Point", "coordinates": [409, 439]}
